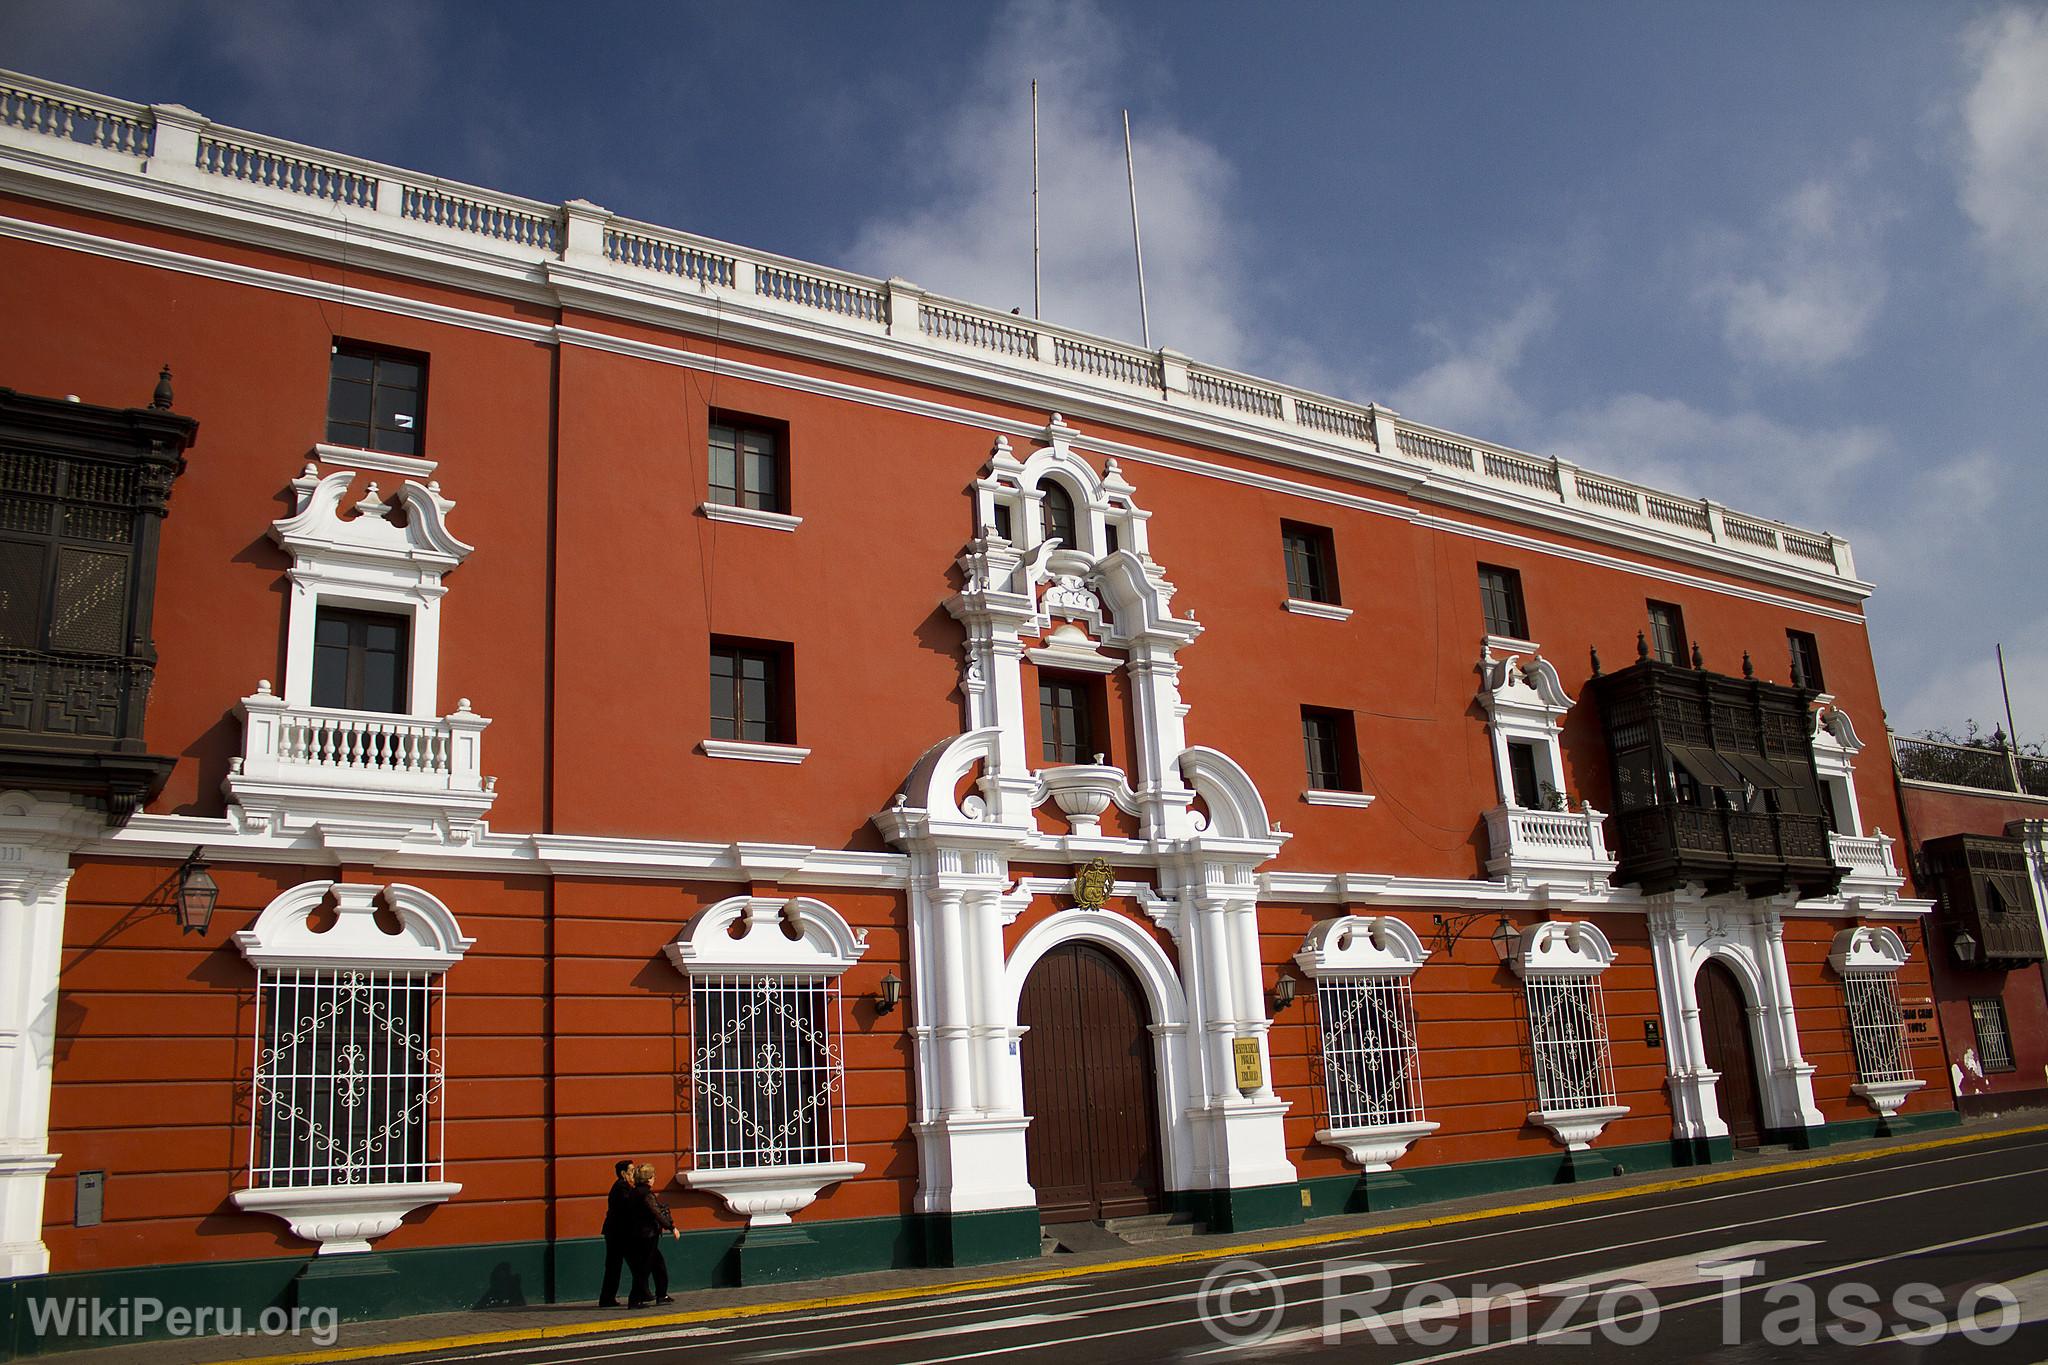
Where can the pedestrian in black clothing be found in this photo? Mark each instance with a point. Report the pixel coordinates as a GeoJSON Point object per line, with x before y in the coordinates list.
{"type": "Point", "coordinates": [623, 1212]}
{"type": "Point", "coordinates": [655, 1220]}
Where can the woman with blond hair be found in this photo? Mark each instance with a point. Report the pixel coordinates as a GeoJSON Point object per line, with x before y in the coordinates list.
{"type": "Point", "coordinates": [657, 1221]}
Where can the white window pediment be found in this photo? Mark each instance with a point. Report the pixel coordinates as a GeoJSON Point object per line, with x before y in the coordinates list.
{"type": "Point", "coordinates": [428, 937]}
{"type": "Point", "coordinates": [363, 779]}
{"type": "Point", "coordinates": [1555, 946]}
{"type": "Point", "coordinates": [1867, 948]}
{"type": "Point", "coordinates": [1356, 945]}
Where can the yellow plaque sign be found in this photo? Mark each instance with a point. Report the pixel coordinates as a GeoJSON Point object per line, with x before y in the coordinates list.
{"type": "Point", "coordinates": [1250, 1075]}
{"type": "Point", "coordinates": [1093, 883]}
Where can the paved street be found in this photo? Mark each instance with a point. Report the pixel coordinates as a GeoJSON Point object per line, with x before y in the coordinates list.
{"type": "Point", "coordinates": [1890, 1258]}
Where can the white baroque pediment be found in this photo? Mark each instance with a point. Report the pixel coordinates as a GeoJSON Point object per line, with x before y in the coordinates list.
{"type": "Point", "coordinates": [317, 529]}
{"type": "Point", "coordinates": [1557, 946]}
{"type": "Point", "coordinates": [777, 934]}
{"type": "Point", "coordinates": [1361, 945]}
{"type": "Point", "coordinates": [1867, 947]}
{"type": "Point", "coordinates": [427, 938]}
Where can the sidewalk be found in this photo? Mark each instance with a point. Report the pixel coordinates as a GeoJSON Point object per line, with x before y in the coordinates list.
{"type": "Point", "coordinates": [396, 1337]}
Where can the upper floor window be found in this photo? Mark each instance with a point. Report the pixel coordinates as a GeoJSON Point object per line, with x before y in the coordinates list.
{"type": "Point", "coordinates": [1500, 598]}
{"type": "Point", "coordinates": [359, 660]}
{"type": "Point", "coordinates": [1667, 633]}
{"type": "Point", "coordinates": [1805, 660]}
{"type": "Point", "coordinates": [1331, 745]}
{"type": "Point", "coordinates": [1067, 718]}
{"type": "Point", "coordinates": [749, 464]}
{"type": "Point", "coordinates": [1311, 558]}
{"type": "Point", "coordinates": [750, 691]}
{"type": "Point", "coordinates": [376, 399]}
{"type": "Point", "coordinates": [1058, 505]}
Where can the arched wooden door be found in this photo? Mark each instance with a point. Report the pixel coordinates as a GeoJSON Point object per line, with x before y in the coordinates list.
{"type": "Point", "coordinates": [1093, 1144]}
{"type": "Point", "coordinates": [1724, 1027]}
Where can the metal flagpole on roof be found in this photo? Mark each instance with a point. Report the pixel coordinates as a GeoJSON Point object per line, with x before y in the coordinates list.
{"type": "Point", "coordinates": [1035, 293]}
{"type": "Point", "coordinates": [1138, 242]}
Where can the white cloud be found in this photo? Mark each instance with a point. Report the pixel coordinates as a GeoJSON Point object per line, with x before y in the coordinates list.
{"type": "Point", "coordinates": [1472, 387]}
{"type": "Point", "coordinates": [1962, 684]}
{"type": "Point", "coordinates": [1812, 281]}
{"type": "Point", "coordinates": [970, 234]}
{"type": "Point", "coordinates": [2004, 170]}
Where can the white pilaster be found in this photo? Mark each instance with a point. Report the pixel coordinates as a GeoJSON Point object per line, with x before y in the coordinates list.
{"type": "Point", "coordinates": [37, 839]}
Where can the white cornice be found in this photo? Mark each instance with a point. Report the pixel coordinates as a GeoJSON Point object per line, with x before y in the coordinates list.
{"type": "Point", "coordinates": [357, 241]}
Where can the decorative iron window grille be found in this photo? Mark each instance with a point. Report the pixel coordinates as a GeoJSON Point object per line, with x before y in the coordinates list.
{"type": "Point", "coordinates": [348, 1078]}
{"type": "Point", "coordinates": [1568, 1041]}
{"type": "Point", "coordinates": [768, 1078]}
{"type": "Point", "coordinates": [1372, 1072]}
{"type": "Point", "coordinates": [1994, 1043]}
{"type": "Point", "coordinates": [1878, 1026]}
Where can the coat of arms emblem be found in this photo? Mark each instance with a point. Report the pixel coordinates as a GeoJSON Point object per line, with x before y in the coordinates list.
{"type": "Point", "coordinates": [1092, 884]}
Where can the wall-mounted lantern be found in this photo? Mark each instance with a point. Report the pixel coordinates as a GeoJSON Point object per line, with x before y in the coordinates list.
{"type": "Point", "coordinates": [197, 893]}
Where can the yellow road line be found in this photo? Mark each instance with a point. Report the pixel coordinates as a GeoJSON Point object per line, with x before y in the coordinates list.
{"type": "Point", "coordinates": [570, 1330]}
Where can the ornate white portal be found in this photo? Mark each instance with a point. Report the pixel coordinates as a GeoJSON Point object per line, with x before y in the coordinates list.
{"type": "Point", "coordinates": [1059, 574]}
{"type": "Point", "coordinates": [1748, 937]}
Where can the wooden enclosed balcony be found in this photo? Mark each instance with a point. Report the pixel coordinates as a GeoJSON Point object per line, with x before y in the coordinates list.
{"type": "Point", "coordinates": [1714, 782]}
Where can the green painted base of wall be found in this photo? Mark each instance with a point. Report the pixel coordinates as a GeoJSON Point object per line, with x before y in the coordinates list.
{"type": "Point", "coordinates": [981, 1238]}
{"type": "Point", "coordinates": [1260, 1206]}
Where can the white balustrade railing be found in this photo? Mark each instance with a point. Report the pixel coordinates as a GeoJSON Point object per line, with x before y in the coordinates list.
{"type": "Point", "coordinates": [360, 750]}
{"type": "Point", "coordinates": [183, 148]}
{"type": "Point", "coordinates": [1864, 855]}
{"type": "Point", "coordinates": [1548, 834]}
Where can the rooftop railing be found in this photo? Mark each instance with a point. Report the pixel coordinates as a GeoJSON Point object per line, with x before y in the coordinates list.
{"type": "Point", "coordinates": [1992, 765]}
{"type": "Point", "coordinates": [181, 149]}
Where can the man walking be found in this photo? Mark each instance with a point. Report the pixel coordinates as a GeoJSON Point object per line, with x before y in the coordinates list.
{"type": "Point", "coordinates": [623, 1214]}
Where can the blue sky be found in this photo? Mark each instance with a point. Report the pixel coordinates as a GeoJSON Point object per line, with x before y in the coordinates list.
{"type": "Point", "coordinates": [1791, 257]}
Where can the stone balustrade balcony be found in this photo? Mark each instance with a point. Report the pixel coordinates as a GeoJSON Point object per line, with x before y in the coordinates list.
{"type": "Point", "coordinates": [1562, 848]}
{"type": "Point", "coordinates": [378, 775]}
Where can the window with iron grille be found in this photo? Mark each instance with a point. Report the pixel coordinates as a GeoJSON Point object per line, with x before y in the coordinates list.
{"type": "Point", "coordinates": [376, 399]}
{"type": "Point", "coordinates": [1500, 599]}
{"type": "Point", "coordinates": [750, 691]}
{"type": "Point", "coordinates": [1568, 1040]}
{"type": "Point", "coordinates": [1311, 558]}
{"type": "Point", "coordinates": [348, 1077]}
{"type": "Point", "coordinates": [1994, 1044]}
{"type": "Point", "coordinates": [1667, 633]}
{"type": "Point", "coordinates": [749, 464]}
{"type": "Point", "coordinates": [1878, 1026]}
{"type": "Point", "coordinates": [1066, 718]}
{"type": "Point", "coordinates": [768, 1081]}
{"type": "Point", "coordinates": [1372, 1073]}
{"type": "Point", "coordinates": [1330, 743]}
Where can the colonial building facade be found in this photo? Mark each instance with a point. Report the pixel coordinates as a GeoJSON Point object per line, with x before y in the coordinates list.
{"type": "Point", "coordinates": [927, 777]}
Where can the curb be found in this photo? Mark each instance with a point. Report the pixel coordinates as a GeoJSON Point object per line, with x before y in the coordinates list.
{"type": "Point", "coordinates": [570, 1331]}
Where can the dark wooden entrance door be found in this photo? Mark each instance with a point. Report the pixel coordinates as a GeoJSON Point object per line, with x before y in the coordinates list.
{"type": "Point", "coordinates": [1724, 1027]}
{"type": "Point", "coordinates": [1093, 1143]}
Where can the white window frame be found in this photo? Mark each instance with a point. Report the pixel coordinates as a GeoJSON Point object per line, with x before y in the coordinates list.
{"type": "Point", "coordinates": [790, 951]}
{"type": "Point", "coordinates": [1368, 963]}
{"type": "Point", "coordinates": [334, 1196]}
{"type": "Point", "coordinates": [1868, 958]}
{"type": "Point", "coordinates": [1560, 963]}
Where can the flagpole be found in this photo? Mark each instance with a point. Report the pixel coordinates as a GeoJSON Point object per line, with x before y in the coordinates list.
{"type": "Point", "coordinates": [1036, 300]}
{"type": "Point", "coordinates": [1137, 242]}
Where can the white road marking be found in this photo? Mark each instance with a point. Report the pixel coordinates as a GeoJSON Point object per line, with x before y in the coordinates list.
{"type": "Point", "coordinates": [2030, 1292]}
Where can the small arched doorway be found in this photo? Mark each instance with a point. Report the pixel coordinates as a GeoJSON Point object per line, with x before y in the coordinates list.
{"type": "Point", "coordinates": [1724, 1029]}
{"type": "Point", "coordinates": [1089, 1086]}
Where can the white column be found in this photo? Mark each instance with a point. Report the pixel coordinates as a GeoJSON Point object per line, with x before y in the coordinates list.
{"type": "Point", "coordinates": [950, 965]}
{"type": "Point", "coordinates": [37, 839]}
{"type": "Point", "coordinates": [1695, 1107]}
{"type": "Point", "coordinates": [1798, 1072]}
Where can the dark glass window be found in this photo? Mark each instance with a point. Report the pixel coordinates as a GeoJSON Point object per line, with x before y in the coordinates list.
{"type": "Point", "coordinates": [1311, 562]}
{"type": "Point", "coordinates": [359, 660]}
{"type": "Point", "coordinates": [1058, 508]}
{"type": "Point", "coordinates": [1330, 744]}
{"type": "Point", "coordinates": [1066, 719]}
{"type": "Point", "coordinates": [750, 691]}
{"type": "Point", "coordinates": [1667, 633]}
{"type": "Point", "coordinates": [1805, 660]}
{"type": "Point", "coordinates": [1002, 521]}
{"type": "Point", "coordinates": [376, 399]}
{"type": "Point", "coordinates": [747, 465]}
{"type": "Point", "coordinates": [1500, 598]}
{"type": "Point", "coordinates": [1522, 769]}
